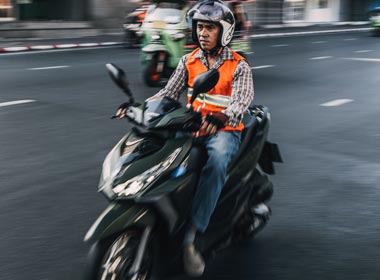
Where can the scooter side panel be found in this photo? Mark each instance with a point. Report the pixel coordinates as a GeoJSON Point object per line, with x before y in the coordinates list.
{"type": "Point", "coordinates": [240, 175]}
{"type": "Point", "coordinates": [117, 217]}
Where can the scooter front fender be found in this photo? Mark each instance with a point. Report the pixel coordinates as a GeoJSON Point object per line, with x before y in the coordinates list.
{"type": "Point", "coordinates": [117, 217]}
{"type": "Point", "coordinates": [151, 48]}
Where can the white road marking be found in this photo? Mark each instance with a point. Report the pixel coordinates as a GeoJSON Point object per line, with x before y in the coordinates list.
{"type": "Point", "coordinates": [262, 66]}
{"type": "Point", "coordinates": [16, 102]}
{"type": "Point", "coordinates": [309, 32]}
{"type": "Point", "coordinates": [319, 42]}
{"type": "Point", "coordinates": [363, 59]}
{"type": "Point", "coordinates": [88, 44]}
{"type": "Point", "coordinates": [49, 67]}
{"type": "Point", "coordinates": [66, 46]}
{"type": "Point", "coordinates": [110, 43]}
{"type": "Point", "coordinates": [279, 46]}
{"type": "Point", "coordinates": [350, 39]}
{"type": "Point", "coordinates": [336, 102]}
{"type": "Point", "coordinates": [42, 47]}
{"type": "Point", "coordinates": [364, 51]}
{"type": "Point", "coordinates": [320, 57]}
{"type": "Point", "coordinates": [55, 50]}
{"type": "Point", "coordinates": [15, 49]}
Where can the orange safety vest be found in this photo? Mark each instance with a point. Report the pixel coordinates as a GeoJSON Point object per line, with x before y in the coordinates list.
{"type": "Point", "coordinates": [218, 98]}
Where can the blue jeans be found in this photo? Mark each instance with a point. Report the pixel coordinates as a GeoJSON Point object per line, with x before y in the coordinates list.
{"type": "Point", "coordinates": [220, 148]}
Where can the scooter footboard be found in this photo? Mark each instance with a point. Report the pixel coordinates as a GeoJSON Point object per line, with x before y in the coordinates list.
{"type": "Point", "coordinates": [117, 217]}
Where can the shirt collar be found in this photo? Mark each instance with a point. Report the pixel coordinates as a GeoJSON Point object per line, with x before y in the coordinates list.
{"type": "Point", "coordinates": [225, 55]}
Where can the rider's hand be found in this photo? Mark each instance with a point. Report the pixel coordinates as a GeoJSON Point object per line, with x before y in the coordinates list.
{"type": "Point", "coordinates": [122, 110]}
{"type": "Point", "coordinates": [213, 122]}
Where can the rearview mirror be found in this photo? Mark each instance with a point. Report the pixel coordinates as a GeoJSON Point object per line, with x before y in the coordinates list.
{"type": "Point", "coordinates": [204, 82]}
{"type": "Point", "coordinates": [119, 77]}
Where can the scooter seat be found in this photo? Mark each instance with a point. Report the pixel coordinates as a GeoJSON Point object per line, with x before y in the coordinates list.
{"type": "Point", "coordinates": [250, 127]}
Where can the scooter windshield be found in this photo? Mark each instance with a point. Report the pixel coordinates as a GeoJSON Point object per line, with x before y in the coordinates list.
{"type": "Point", "coordinates": [155, 108]}
{"type": "Point", "coordinates": [165, 12]}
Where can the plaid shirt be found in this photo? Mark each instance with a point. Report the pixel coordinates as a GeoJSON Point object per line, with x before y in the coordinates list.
{"type": "Point", "coordinates": [242, 84]}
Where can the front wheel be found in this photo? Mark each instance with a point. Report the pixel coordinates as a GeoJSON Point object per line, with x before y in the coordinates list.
{"type": "Point", "coordinates": [113, 259]}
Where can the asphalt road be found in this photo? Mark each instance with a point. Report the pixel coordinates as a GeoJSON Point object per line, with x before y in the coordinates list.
{"type": "Point", "coordinates": [323, 92]}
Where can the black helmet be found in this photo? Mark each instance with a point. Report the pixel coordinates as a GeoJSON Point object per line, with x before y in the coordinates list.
{"type": "Point", "coordinates": [216, 12]}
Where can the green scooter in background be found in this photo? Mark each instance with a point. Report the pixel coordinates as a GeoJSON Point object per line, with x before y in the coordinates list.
{"type": "Point", "coordinates": [165, 33]}
{"type": "Point", "coordinates": [374, 14]}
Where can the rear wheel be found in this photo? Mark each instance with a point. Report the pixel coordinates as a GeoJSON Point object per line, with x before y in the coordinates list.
{"type": "Point", "coordinates": [116, 256]}
{"type": "Point", "coordinates": [258, 213]}
{"type": "Point", "coordinates": [150, 75]}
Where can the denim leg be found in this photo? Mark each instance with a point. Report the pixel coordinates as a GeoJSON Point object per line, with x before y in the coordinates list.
{"type": "Point", "coordinates": [220, 149]}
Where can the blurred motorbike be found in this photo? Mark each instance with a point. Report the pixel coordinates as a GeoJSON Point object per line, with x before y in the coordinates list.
{"type": "Point", "coordinates": [132, 26]}
{"type": "Point", "coordinates": [150, 177]}
{"type": "Point", "coordinates": [165, 32]}
{"type": "Point", "coordinates": [374, 14]}
{"type": "Point", "coordinates": [240, 41]}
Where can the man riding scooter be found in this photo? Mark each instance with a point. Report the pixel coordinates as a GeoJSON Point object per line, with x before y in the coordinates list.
{"type": "Point", "coordinates": [222, 109]}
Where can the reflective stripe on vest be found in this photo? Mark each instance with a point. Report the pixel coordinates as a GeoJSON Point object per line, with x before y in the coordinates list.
{"type": "Point", "coordinates": [212, 99]}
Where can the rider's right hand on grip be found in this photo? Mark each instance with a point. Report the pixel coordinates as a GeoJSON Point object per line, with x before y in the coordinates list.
{"type": "Point", "coordinates": [121, 110]}
{"type": "Point", "coordinates": [193, 123]}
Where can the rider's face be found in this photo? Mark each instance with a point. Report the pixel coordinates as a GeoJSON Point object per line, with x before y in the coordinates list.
{"type": "Point", "coordinates": [207, 33]}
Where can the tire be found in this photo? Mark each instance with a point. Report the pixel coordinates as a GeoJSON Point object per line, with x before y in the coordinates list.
{"type": "Point", "coordinates": [113, 258]}
{"type": "Point", "coordinates": [253, 222]}
{"type": "Point", "coordinates": [376, 32]}
{"type": "Point", "coordinates": [150, 75]}
{"type": "Point", "coordinates": [250, 225]}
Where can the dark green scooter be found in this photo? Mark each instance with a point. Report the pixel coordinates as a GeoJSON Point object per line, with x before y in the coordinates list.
{"type": "Point", "coordinates": [150, 176]}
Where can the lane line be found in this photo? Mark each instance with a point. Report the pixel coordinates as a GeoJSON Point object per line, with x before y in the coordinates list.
{"type": "Point", "coordinates": [66, 46]}
{"type": "Point", "coordinates": [363, 59]}
{"type": "Point", "coordinates": [319, 42]}
{"type": "Point", "coordinates": [320, 57]}
{"type": "Point", "coordinates": [309, 32]}
{"type": "Point", "coordinates": [16, 102]}
{"type": "Point", "coordinates": [262, 66]}
{"type": "Point", "coordinates": [110, 43]}
{"type": "Point", "coordinates": [41, 47]}
{"type": "Point", "coordinates": [350, 39]}
{"type": "Point", "coordinates": [364, 51]}
{"type": "Point", "coordinates": [279, 46]}
{"type": "Point", "coordinates": [48, 67]}
{"type": "Point", "coordinates": [57, 50]}
{"type": "Point", "coordinates": [15, 49]}
{"type": "Point", "coordinates": [88, 44]}
{"type": "Point", "coordinates": [336, 102]}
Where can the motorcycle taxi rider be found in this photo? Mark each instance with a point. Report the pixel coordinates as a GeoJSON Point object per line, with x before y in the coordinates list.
{"type": "Point", "coordinates": [222, 109]}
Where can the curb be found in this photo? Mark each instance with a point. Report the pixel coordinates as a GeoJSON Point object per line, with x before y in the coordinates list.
{"type": "Point", "coordinates": [316, 32]}
{"type": "Point", "coordinates": [57, 46]}
{"type": "Point", "coordinates": [103, 44]}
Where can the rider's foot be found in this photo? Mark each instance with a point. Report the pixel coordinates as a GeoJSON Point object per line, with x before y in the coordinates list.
{"type": "Point", "coordinates": [192, 260]}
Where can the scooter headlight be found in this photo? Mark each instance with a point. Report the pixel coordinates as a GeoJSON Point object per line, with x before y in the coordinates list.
{"type": "Point", "coordinates": [113, 163]}
{"type": "Point", "coordinates": [111, 166]}
{"type": "Point", "coordinates": [177, 36]}
{"type": "Point", "coordinates": [155, 37]}
{"type": "Point", "coordinates": [142, 181]}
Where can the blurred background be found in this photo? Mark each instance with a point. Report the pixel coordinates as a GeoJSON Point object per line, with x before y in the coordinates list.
{"type": "Point", "coordinates": [316, 65]}
{"type": "Point", "coordinates": [108, 13]}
